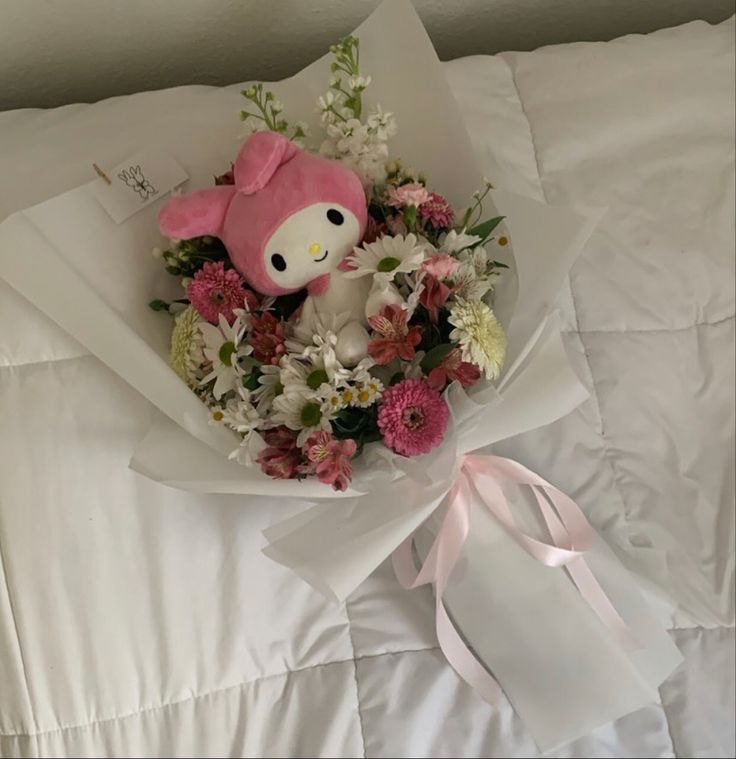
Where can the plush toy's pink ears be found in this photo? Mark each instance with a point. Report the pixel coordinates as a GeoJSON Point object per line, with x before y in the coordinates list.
{"type": "Point", "coordinates": [199, 213]}
{"type": "Point", "coordinates": [260, 156]}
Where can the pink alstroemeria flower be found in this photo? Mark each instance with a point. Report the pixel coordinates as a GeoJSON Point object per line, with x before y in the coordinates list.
{"type": "Point", "coordinates": [397, 338]}
{"type": "Point", "coordinates": [453, 368]}
{"type": "Point", "coordinates": [329, 458]}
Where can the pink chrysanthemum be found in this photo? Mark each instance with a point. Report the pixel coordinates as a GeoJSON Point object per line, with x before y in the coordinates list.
{"type": "Point", "coordinates": [329, 459]}
{"type": "Point", "coordinates": [216, 290]}
{"type": "Point", "coordinates": [413, 417]}
{"type": "Point", "coordinates": [267, 337]}
{"type": "Point", "coordinates": [454, 368]}
{"type": "Point", "coordinates": [411, 194]}
{"type": "Point", "coordinates": [437, 211]}
{"type": "Point", "coordinates": [281, 458]}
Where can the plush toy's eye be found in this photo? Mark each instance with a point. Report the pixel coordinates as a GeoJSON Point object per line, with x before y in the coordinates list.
{"type": "Point", "coordinates": [278, 262]}
{"type": "Point", "coordinates": [335, 217]}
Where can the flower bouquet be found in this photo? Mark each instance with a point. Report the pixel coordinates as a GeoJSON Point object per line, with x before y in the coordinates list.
{"type": "Point", "coordinates": [331, 324]}
{"type": "Point", "coordinates": [306, 385]}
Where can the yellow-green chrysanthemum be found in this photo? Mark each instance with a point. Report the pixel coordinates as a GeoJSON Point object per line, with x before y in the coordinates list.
{"type": "Point", "coordinates": [186, 345]}
{"type": "Point", "coordinates": [480, 335]}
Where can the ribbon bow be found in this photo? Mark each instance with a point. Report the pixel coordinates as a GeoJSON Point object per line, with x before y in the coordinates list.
{"type": "Point", "coordinates": [571, 536]}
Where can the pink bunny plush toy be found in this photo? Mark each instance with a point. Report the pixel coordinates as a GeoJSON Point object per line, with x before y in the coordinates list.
{"type": "Point", "coordinates": [288, 222]}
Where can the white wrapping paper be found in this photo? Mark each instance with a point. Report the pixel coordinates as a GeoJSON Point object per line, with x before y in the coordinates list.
{"type": "Point", "coordinates": [555, 660]}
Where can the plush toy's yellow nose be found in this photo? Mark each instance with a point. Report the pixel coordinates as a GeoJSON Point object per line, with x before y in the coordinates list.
{"type": "Point", "coordinates": [314, 248]}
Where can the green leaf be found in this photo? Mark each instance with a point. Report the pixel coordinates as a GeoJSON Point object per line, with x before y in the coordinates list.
{"type": "Point", "coordinates": [396, 378]}
{"type": "Point", "coordinates": [435, 357]}
{"type": "Point", "coordinates": [250, 381]}
{"type": "Point", "coordinates": [410, 215]}
{"type": "Point", "coordinates": [159, 305]}
{"type": "Point", "coordinates": [485, 228]}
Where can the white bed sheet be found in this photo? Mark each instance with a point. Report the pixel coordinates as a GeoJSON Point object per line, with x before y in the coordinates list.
{"type": "Point", "coordinates": [140, 621]}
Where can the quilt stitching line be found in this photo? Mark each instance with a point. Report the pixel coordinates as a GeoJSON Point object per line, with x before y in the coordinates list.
{"type": "Point", "coordinates": [24, 671]}
{"type": "Point", "coordinates": [208, 694]}
{"type": "Point", "coordinates": [355, 678]}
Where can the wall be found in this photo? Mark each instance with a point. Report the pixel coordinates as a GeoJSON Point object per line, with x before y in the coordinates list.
{"type": "Point", "coordinates": [61, 51]}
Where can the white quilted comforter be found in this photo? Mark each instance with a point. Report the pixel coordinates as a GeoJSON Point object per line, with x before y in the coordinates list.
{"type": "Point", "coordinates": [136, 620]}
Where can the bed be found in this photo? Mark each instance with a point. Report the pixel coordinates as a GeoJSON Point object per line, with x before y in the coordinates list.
{"type": "Point", "coordinates": [136, 620]}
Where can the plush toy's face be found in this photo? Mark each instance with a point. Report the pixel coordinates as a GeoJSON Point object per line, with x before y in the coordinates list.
{"type": "Point", "coordinates": [310, 243]}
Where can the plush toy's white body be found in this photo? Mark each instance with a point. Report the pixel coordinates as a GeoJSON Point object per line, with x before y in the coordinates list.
{"type": "Point", "coordinates": [343, 298]}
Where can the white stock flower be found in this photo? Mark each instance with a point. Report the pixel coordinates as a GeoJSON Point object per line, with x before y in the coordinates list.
{"type": "Point", "coordinates": [326, 101]}
{"type": "Point", "coordinates": [359, 82]}
{"type": "Point", "coordinates": [223, 347]}
{"type": "Point", "coordinates": [387, 255]}
{"type": "Point", "coordinates": [479, 334]}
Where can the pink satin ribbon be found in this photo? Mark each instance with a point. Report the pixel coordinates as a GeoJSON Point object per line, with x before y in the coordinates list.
{"type": "Point", "coordinates": [571, 536]}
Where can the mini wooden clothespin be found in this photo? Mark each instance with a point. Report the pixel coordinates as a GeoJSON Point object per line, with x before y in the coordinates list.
{"type": "Point", "coordinates": [101, 173]}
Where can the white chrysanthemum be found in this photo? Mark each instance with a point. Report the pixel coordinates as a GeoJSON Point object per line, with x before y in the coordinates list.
{"type": "Point", "coordinates": [299, 409]}
{"type": "Point", "coordinates": [479, 334]}
{"type": "Point", "coordinates": [360, 373]}
{"type": "Point", "coordinates": [387, 255]}
{"type": "Point", "coordinates": [223, 348]}
{"type": "Point", "coordinates": [454, 241]}
{"type": "Point", "coordinates": [186, 345]}
{"type": "Point", "coordinates": [317, 343]}
{"type": "Point", "coordinates": [269, 381]}
{"type": "Point", "coordinates": [240, 415]}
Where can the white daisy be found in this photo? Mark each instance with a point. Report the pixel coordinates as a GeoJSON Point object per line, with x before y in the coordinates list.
{"type": "Point", "coordinates": [223, 348]}
{"type": "Point", "coordinates": [368, 393]}
{"type": "Point", "coordinates": [480, 335]}
{"type": "Point", "coordinates": [387, 255]}
{"type": "Point", "coordinates": [299, 409]}
{"type": "Point", "coordinates": [269, 385]}
{"type": "Point", "coordinates": [318, 346]}
{"type": "Point", "coordinates": [333, 402]}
